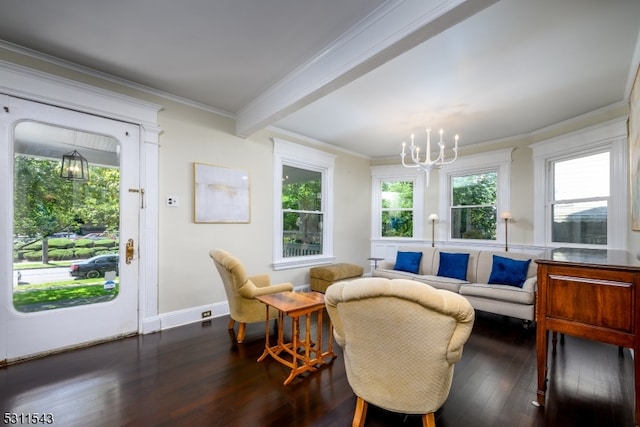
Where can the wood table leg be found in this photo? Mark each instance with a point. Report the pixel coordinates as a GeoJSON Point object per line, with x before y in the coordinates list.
{"type": "Point", "coordinates": [542, 336]}
{"type": "Point", "coordinates": [295, 343]}
{"type": "Point", "coordinates": [636, 368]}
{"type": "Point", "coordinates": [307, 338]}
{"type": "Point", "coordinates": [266, 338]}
{"type": "Point", "coordinates": [320, 354]}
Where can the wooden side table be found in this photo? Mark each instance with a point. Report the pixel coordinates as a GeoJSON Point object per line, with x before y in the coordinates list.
{"type": "Point", "coordinates": [295, 305]}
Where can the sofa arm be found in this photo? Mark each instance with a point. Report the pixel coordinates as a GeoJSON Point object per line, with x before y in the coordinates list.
{"type": "Point", "coordinates": [531, 284]}
{"type": "Point", "coordinates": [386, 264]}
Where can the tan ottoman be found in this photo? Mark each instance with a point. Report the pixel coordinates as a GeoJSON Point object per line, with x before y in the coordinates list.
{"type": "Point", "coordinates": [322, 277]}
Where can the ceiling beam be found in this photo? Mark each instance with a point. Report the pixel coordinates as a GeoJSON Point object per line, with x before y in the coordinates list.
{"type": "Point", "coordinates": [391, 30]}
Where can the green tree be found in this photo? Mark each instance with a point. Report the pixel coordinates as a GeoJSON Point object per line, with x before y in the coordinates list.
{"type": "Point", "coordinates": [45, 203]}
{"type": "Point", "coordinates": [474, 212]}
{"type": "Point", "coordinates": [397, 209]}
{"type": "Point", "coordinates": [302, 206]}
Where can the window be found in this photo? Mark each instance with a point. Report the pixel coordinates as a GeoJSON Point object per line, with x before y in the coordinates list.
{"type": "Point", "coordinates": [579, 178]}
{"type": "Point", "coordinates": [397, 202]}
{"type": "Point", "coordinates": [473, 207]}
{"type": "Point", "coordinates": [301, 212]}
{"type": "Point", "coordinates": [471, 196]}
{"type": "Point", "coordinates": [303, 206]}
{"type": "Point", "coordinates": [397, 209]}
{"type": "Point", "coordinates": [579, 199]}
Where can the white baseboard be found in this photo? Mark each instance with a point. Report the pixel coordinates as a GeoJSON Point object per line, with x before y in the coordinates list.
{"type": "Point", "coordinates": [193, 315]}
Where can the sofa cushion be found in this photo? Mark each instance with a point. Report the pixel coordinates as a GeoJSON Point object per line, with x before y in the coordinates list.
{"type": "Point", "coordinates": [453, 265]}
{"type": "Point", "coordinates": [408, 261]}
{"type": "Point", "coordinates": [485, 263]}
{"type": "Point", "coordinates": [426, 263]}
{"type": "Point", "coordinates": [498, 292]}
{"type": "Point", "coordinates": [446, 283]}
{"type": "Point", "coordinates": [441, 282]}
{"type": "Point", "coordinates": [508, 271]}
{"type": "Point", "coordinates": [472, 264]}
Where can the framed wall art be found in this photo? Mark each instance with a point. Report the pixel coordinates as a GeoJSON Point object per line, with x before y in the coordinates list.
{"type": "Point", "coordinates": [221, 194]}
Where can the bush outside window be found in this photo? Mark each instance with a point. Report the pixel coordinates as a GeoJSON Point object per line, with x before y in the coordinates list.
{"type": "Point", "coordinates": [473, 206]}
{"type": "Point", "coordinates": [397, 209]}
{"type": "Point", "coordinates": [301, 212]}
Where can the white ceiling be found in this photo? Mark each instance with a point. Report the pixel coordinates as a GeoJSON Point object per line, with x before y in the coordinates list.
{"type": "Point", "coordinates": [358, 74]}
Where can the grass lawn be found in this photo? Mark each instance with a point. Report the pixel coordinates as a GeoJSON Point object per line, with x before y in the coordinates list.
{"type": "Point", "coordinates": [47, 296]}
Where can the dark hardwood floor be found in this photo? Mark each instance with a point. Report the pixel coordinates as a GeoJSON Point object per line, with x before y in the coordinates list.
{"type": "Point", "coordinates": [197, 375]}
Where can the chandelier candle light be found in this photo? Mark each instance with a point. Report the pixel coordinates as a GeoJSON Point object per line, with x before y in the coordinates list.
{"type": "Point", "coordinates": [428, 163]}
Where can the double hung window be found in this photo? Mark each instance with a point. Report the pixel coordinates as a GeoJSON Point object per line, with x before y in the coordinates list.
{"type": "Point", "coordinates": [303, 206]}
{"type": "Point", "coordinates": [397, 202]}
{"type": "Point", "coordinates": [473, 207]}
{"type": "Point", "coordinates": [473, 191]}
{"type": "Point", "coordinates": [397, 209]}
{"type": "Point", "coordinates": [581, 194]}
{"type": "Point", "coordinates": [579, 202]}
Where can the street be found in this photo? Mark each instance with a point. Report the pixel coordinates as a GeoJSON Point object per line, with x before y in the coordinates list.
{"type": "Point", "coordinates": [40, 275]}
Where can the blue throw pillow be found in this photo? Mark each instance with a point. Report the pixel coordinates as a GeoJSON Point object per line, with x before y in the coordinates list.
{"type": "Point", "coordinates": [453, 265]}
{"type": "Point", "coordinates": [508, 271]}
{"type": "Point", "coordinates": [408, 261]}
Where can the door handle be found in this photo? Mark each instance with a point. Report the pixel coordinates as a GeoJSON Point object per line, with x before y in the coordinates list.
{"type": "Point", "coordinates": [129, 251]}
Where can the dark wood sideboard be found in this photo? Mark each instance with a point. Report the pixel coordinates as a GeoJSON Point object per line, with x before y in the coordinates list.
{"type": "Point", "coordinates": [592, 294]}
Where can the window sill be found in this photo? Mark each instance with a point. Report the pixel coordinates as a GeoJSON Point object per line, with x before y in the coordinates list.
{"type": "Point", "coordinates": [299, 262]}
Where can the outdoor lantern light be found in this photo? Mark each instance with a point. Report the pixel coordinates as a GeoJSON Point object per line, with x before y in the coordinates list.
{"type": "Point", "coordinates": [74, 167]}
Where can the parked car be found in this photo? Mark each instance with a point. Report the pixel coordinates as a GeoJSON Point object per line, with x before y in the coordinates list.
{"type": "Point", "coordinates": [95, 267]}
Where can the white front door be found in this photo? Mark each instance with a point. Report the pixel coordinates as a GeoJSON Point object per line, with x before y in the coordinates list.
{"type": "Point", "coordinates": [32, 130]}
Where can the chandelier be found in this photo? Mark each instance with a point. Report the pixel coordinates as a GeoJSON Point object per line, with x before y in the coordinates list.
{"type": "Point", "coordinates": [428, 163]}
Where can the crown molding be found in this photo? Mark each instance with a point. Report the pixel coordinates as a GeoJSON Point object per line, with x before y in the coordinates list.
{"type": "Point", "coordinates": [91, 72]}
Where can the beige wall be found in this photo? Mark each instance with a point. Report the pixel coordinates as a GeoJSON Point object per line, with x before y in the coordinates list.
{"type": "Point", "coordinates": [187, 276]}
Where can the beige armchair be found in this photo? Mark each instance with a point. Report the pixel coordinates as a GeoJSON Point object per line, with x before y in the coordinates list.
{"type": "Point", "coordinates": [242, 289]}
{"type": "Point", "coordinates": [401, 339]}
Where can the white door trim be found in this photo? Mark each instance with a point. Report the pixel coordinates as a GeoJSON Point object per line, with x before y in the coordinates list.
{"type": "Point", "coordinates": [46, 88]}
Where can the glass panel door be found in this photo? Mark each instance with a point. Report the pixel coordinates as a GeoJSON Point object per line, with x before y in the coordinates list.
{"type": "Point", "coordinates": [74, 218]}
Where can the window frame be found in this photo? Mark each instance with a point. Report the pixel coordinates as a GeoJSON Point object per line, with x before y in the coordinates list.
{"type": "Point", "coordinates": [551, 200]}
{"type": "Point", "coordinates": [452, 207]}
{"type": "Point", "coordinates": [610, 136]}
{"type": "Point", "coordinates": [380, 174]}
{"type": "Point", "coordinates": [498, 161]}
{"type": "Point", "coordinates": [290, 154]}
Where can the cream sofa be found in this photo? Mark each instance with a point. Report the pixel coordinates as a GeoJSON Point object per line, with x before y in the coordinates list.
{"type": "Point", "coordinates": [501, 299]}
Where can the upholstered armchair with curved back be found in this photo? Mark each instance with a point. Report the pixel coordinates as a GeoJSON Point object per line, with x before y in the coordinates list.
{"type": "Point", "coordinates": [401, 339]}
{"type": "Point", "coordinates": [241, 290]}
